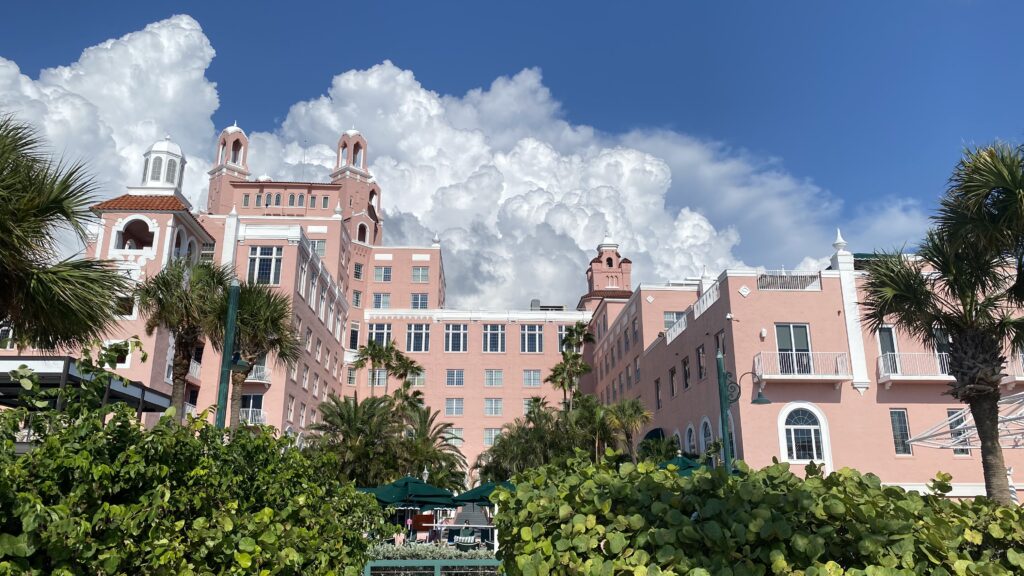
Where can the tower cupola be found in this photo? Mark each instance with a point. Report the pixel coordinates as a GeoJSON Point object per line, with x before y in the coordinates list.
{"type": "Point", "coordinates": [232, 153]}
{"type": "Point", "coordinates": [163, 167]}
{"type": "Point", "coordinates": [352, 152]}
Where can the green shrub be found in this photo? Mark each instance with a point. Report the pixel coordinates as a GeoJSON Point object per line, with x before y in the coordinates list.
{"type": "Point", "coordinates": [101, 495]}
{"type": "Point", "coordinates": [595, 519]}
{"type": "Point", "coordinates": [425, 552]}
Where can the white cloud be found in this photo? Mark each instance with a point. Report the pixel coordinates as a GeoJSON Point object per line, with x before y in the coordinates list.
{"type": "Point", "coordinates": [519, 195]}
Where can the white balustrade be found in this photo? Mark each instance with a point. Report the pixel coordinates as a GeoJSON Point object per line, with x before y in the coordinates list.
{"type": "Point", "coordinates": [190, 409]}
{"type": "Point", "coordinates": [676, 329]}
{"type": "Point", "coordinates": [709, 297]}
{"type": "Point", "coordinates": [913, 364]}
{"type": "Point", "coordinates": [799, 280]}
{"type": "Point", "coordinates": [194, 368]}
{"type": "Point", "coordinates": [804, 365]}
{"type": "Point", "coordinates": [259, 373]}
{"type": "Point", "coordinates": [252, 416]}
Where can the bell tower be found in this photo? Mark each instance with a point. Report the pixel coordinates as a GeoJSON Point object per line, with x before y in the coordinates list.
{"type": "Point", "coordinates": [231, 163]}
{"type": "Point", "coordinates": [360, 197]}
{"type": "Point", "coordinates": [608, 275]}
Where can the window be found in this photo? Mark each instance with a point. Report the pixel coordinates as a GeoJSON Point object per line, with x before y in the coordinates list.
{"type": "Point", "coordinates": [6, 338]}
{"type": "Point", "coordinates": [454, 377]}
{"type": "Point", "coordinates": [956, 420]}
{"type": "Point", "coordinates": [206, 253]}
{"type": "Point", "coordinates": [259, 200]}
{"type": "Point", "coordinates": [320, 303]}
{"type": "Point", "coordinates": [657, 393]}
{"type": "Point", "coordinates": [686, 372]}
{"type": "Point", "coordinates": [490, 435]}
{"type": "Point", "coordinates": [316, 384]}
{"type": "Point", "coordinates": [625, 340]}
{"type": "Point", "coordinates": [125, 305]}
{"type": "Point", "coordinates": [319, 349]}
{"type": "Point", "coordinates": [702, 366]}
{"type": "Point", "coordinates": [720, 343]}
{"type": "Point", "coordinates": [291, 407]}
{"type": "Point", "coordinates": [794, 344]}
{"type": "Point", "coordinates": [494, 337]}
{"type": "Point", "coordinates": [305, 377]}
{"type": "Point", "coordinates": [265, 264]}
{"type": "Point", "coordinates": [456, 337]}
{"type": "Point", "coordinates": [357, 271]}
{"type": "Point", "coordinates": [420, 274]}
{"type": "Point", "coordinates": [309, 340]}
{"type": "Point", "coordinates": [245, 200]}
{"type": "Point", "coordinates": [418, 379]}
{"type": "Point", "coordinates": [493, 407]}
{"type": "Point", "coordinates": [900, 430]}
{"type": "Point", "coordinates": [291, 199]}
{"type": "Point", "coordinates": [706, 438]}
{"type": "Point", "coordinates": [803, 436]}
{"type": "Point", "coordinates": [318, 246]}
{"type": "Point", "coordinates": [493, 378]}
{"type": "Point", "coordinates": [670, 318]}
{"type": "Point", "coordinates": [353, 335]}
{"type": "Point", "coordinates": [453, 406]}
{"type": "Point", "coordinates": [158, 164]}
{"type": "Point", "coordinates": [455, 436]}
{"type": "Point", "coordinates": [636, 330]}
{"type": "Point", "coordinates": [324, 201]}
{"type": "Point", "coordinates": [531, 338]}
{"type": "Point", "coordinates": [382, 273]}
{"type": "Point", "coordinates": [277, 199]}
{"type": "Point", "coordinates": [381, 300]}
{"type": "Point", "coordinates": [302, 415]}
{"type": "Point", "coordinates": [636, 368]}
{"type": "Point", "coordinates": [361, 236]}
{"type": "Point", "coordinates": [629, 378]}
{"type": "Point", "coordinates": [302, 200]}
{"type": "Point", "coordinates": [531, 378]}
{"type": "Point", "coordinates": [417, 338]}
{"type": "Point", "coordinates": [672, 381]}
{"type": "Point", "coordinates": [561, 337]}
{"type": "Point", "coordinates": [350, 378]}
{"type": "Point", "coordinates": [691, 440]}
{"type": "Point", "coordinates": [380, 377]}
{"type": "Point", "coordinates": [887, 348]}
{"type": "Point", "coordinates": [419, 301]}
{"type": "Point", "coordinates": [527, 406]}
{"type": "Point", "coordinates": [379, 333]}
{"type": "Point", "coordinates": [357, 299]}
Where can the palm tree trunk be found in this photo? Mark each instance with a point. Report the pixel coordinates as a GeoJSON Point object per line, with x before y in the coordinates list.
{"type": "Point", "coordinates": [629, 447]}
{"type": "Point", "coordinates": [179, 375]}
{"type": "Point", "coordinates": [237, 388]}
{"type": "Point", "coordinates": [985, 410]}
{"type": "Point", "coordinates": [373, 380]}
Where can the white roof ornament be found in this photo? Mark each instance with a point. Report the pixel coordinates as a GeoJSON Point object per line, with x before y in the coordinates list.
{"type": "Point", "coordinates": [840, 243]}
{"type": "Point", "coordinates": [607, 243]}
{"type": "Point", "coordinates": [166, 145]}
{"type": "Point", "coordinates": [436, 241]}
{"type": "Point", "coordinates": [233, 129]}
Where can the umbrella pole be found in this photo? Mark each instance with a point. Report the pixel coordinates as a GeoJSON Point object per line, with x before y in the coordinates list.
{"type": "Point", "coordinates": [494, 529]}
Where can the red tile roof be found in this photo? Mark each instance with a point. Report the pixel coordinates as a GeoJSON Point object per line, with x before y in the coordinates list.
{"type": "Point", "coordinates": [131, 203]}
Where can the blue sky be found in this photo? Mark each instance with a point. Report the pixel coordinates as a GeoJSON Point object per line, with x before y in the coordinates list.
{"type": "Point", "coordinates": [869, 102]}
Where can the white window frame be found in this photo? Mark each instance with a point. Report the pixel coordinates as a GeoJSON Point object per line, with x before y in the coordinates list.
{"type": "Point", "coordinates": [419, 300]}
{"type": "Point", "coordinates": [826, 443]}
{"type": "Point", "coordinates": [494, 378]}
{"type": "Point", "coordinates": [495, 330]}
{"type": "Point", "coordinates": [357, 271]}
{"type": "Point", "coordinates": [256, 257]}
{"type": "Point", "coordinates": [382, 273]}
{"type": "Point", "coordinates": [454, 406]}
{"type": "Point", "coordinates": [420, 274]}
{"type": "Point", "coordinates": [531, 333]}
{"type": "Point", "coordinates": [456, 436]}
{"type": "Point", "coordinates": [529, 383]}
{"type": "Point", "coordinates": [454, 377]}
{"type": "Point", "coordinates": [381, 329]}
{"type": "Point", "coordinates": [491, 436]}
{"type": "Point", "coordinates": [417, 338]}
{"type": "Point", "coordinates": [460, 330]}
{"type": "Point", "coordinates": [494, 406]}
{"type": "Point", "coordinates": [381, 300]}
{"type": "Point", "coordinates": [906, 420]}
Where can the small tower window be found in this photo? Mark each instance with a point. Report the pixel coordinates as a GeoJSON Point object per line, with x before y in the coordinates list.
{"type": "Point", "coordinates": [357, 156]}
{"type": "Point", "coordinates": [302, 200]}
{"type": "Point", "coordinates": [373, 197]}
{"type": "Point", "coordinates": [158, 165]}
{"type": "Point", "coordinates": [236, 151]}
{"type": "Point", "coordinates": [220, 152]}
{"type": "Point", "coordinates": [291, 199]}
{"type": "Point", "coordinates": [172, 171]}
{"type": "Point", "coordinates": [362, 233]}
{"type": "Point", "coordinates": [344, 154]}
{"type": "Point", "coordinates": [608, 262]}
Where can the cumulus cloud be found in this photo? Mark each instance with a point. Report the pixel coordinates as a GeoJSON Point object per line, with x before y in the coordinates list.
{"type": "Point", "coordinates": [519, 195]}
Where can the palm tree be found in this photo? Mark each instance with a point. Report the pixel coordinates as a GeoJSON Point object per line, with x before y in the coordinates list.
{"type": "Point", "coordinates": [407, 401]}
{"type": "Point", "coordinates": [49, 302]}
{"type": "Point", "coordinates": [263, 327]}
{"type": "Point", "coordinates": [573, 368]}
{"type": "Point", "coordinates": [577, 335]}
{"type": "Point", "coordinates": [402, 367]}
{"type": "Point", "coordinates": [184, 298]}
{"type": "Point", "coordinates": [567, 373]}
{"type": "Point", "coordinates": [364, 436]}
{"type": "Point", "coordinates": [559, 381]}
{"type": "Point", "coordinates": [591, 421]}
{"type": "Point", "coordinates": [959, 292]}
{"type": "Point", "coordinates": [429, 444]}
{"type": "Point", "coordinates": [627, 417]}
{"type": "Point", "coordinates": [376, 355]}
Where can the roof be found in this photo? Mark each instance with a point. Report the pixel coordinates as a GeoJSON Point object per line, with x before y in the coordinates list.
{"type": "Point", "coordinates": [609, 294]}
{"type": "Point", "coordinates": [166, 145]}
{"type": "Point", "coordinates": [136, 203]}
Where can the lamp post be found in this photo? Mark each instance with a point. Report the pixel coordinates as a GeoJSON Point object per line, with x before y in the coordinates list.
{"type": "Point", "coordinates": [728, 394]}
{"type": "Point", "coordinates": [229, 352]}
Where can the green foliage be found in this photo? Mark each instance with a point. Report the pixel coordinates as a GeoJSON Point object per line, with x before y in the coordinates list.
{"type": "Point", "coordinates": [657, 449]}
{"type": "Point", "coordinates": [425, 552]}
{"type": "Point", "coordinates": [601, 519]}
{"type": "Point", "coordinates": [101, 495]}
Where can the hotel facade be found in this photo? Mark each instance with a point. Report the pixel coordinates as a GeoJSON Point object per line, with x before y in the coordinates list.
{"type": "Point", "coordinates": [840, 394]}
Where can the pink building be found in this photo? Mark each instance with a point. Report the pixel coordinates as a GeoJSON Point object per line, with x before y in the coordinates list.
{"type": "Point", "coordinates": [840, 394]}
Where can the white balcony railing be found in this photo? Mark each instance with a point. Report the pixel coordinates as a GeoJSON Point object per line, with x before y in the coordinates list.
{"type": "Point", "coordinates": [676, 329]}
{"type": "Point", "coordinates": [193, 370]}
{"type": "Point", "coordinates": [821, 366]}
{"type": "Point", "coordinates": [190, 409]}
{"type": "Point", "coordinates": [709, 297]}
{"type": "Point", "coordinates": [800, 280]}
{"type": "Point", "coordinates": [252, 416]}
{"type": "Point", "coordinates": [258, 373]}
{"type": "Point", "coordinates": [913, 366]}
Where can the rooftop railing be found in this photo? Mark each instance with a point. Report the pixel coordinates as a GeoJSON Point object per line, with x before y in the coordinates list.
{"type": "Point", "coordinates": [795, 280]}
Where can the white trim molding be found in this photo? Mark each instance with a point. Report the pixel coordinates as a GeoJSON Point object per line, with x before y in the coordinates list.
{"type": "Point", "coordinates": [826, 441]}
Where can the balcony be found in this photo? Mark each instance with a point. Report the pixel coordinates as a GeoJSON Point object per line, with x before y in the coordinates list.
{"type": "Point", "coordinates": [925, 367]}
{"type": "Point", "coordinates": [190, 409]}
{"type": "Point", "coordinates": [830, 367]}
{"type": "Point", "coordinates": [252, 416]}
{"type": "Point", "coordinates": [193, 370]}
{"type": "Point", "coordinates": [258, 373]}
{"type": "Point", "coordinates": [789, 280]}
{"type": "Point", "coordinates": [1014, 371]}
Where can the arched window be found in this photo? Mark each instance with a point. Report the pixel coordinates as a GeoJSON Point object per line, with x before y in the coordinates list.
{"type": "Point", "coordinates": [608, 262]}
{"type": "Point", "coordinates": [803, 436]}
{"type": "Point", "coordinates": [277, 199]}
{"type": "Point", "coordinates": [236, 151]}
{"type": "Point", "coordinates": [691, 440]}
{"type": "Point", "coordinates": [136, 235]}
{"type": "Point", "coordinates": [678, 441]}
{"type": "Point", "coordinates": [269, 198]}
{"type": "Point", "coordinates": [373, 198]}
{"type": "Point", "coordinates": [171, 172]}
{"type": "Point", "coordinates": [220, 152]}
{"type": "Point", "coordinates": [145, 170]}
{"type": "Point", "coordinates": [191, 253]}
{"type": "Point", "coordinates": [178, 245]}
{"type": "Point", "coordinates": [357, 156]}
{"type": "Point", "coordinates": [361, 236]}
{"type": "Point", "coordinates": [291, 199]}
{"type": "Point", "coordinates": [706, 437]}
{"type": "Point", "coordinates": [158, 165]}
{"type": "Point", "coordinates": [344, 154]}
{"type": "Point", "coordinates": [302, 200]}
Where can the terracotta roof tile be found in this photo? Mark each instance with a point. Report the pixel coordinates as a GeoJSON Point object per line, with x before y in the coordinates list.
{"type": "Point", "coordinates": [132, 203]}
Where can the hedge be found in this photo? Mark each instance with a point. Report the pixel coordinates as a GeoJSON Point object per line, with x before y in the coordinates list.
{"type": "Point", "coordinates": [638, 519]}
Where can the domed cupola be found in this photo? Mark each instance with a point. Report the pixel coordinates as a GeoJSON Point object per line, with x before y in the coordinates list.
{"type": "Point", "coordinates": [163, 167]}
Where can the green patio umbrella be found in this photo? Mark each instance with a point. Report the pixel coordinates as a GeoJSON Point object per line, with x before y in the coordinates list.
{"type": "Point", "coordinates": [685, 465]}
{"type": "Point", "coordinates": [481, 495]}
{"type": "Point", "coordinates": [411, 492]}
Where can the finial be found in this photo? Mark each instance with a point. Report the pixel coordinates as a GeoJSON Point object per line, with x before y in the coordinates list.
{"type": "Point", "coordinates": [337, 208]}
{"type": "Point", "coordinates": [235, 123]}
{"type": "Point", "coordinates": [437, 240]}
{"type": "Point", "coordinates": [840, 243]}
{"type": "Point", "coordinates": [167, 137]}
{"type": "Point", "coordinates": [234, 210]}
